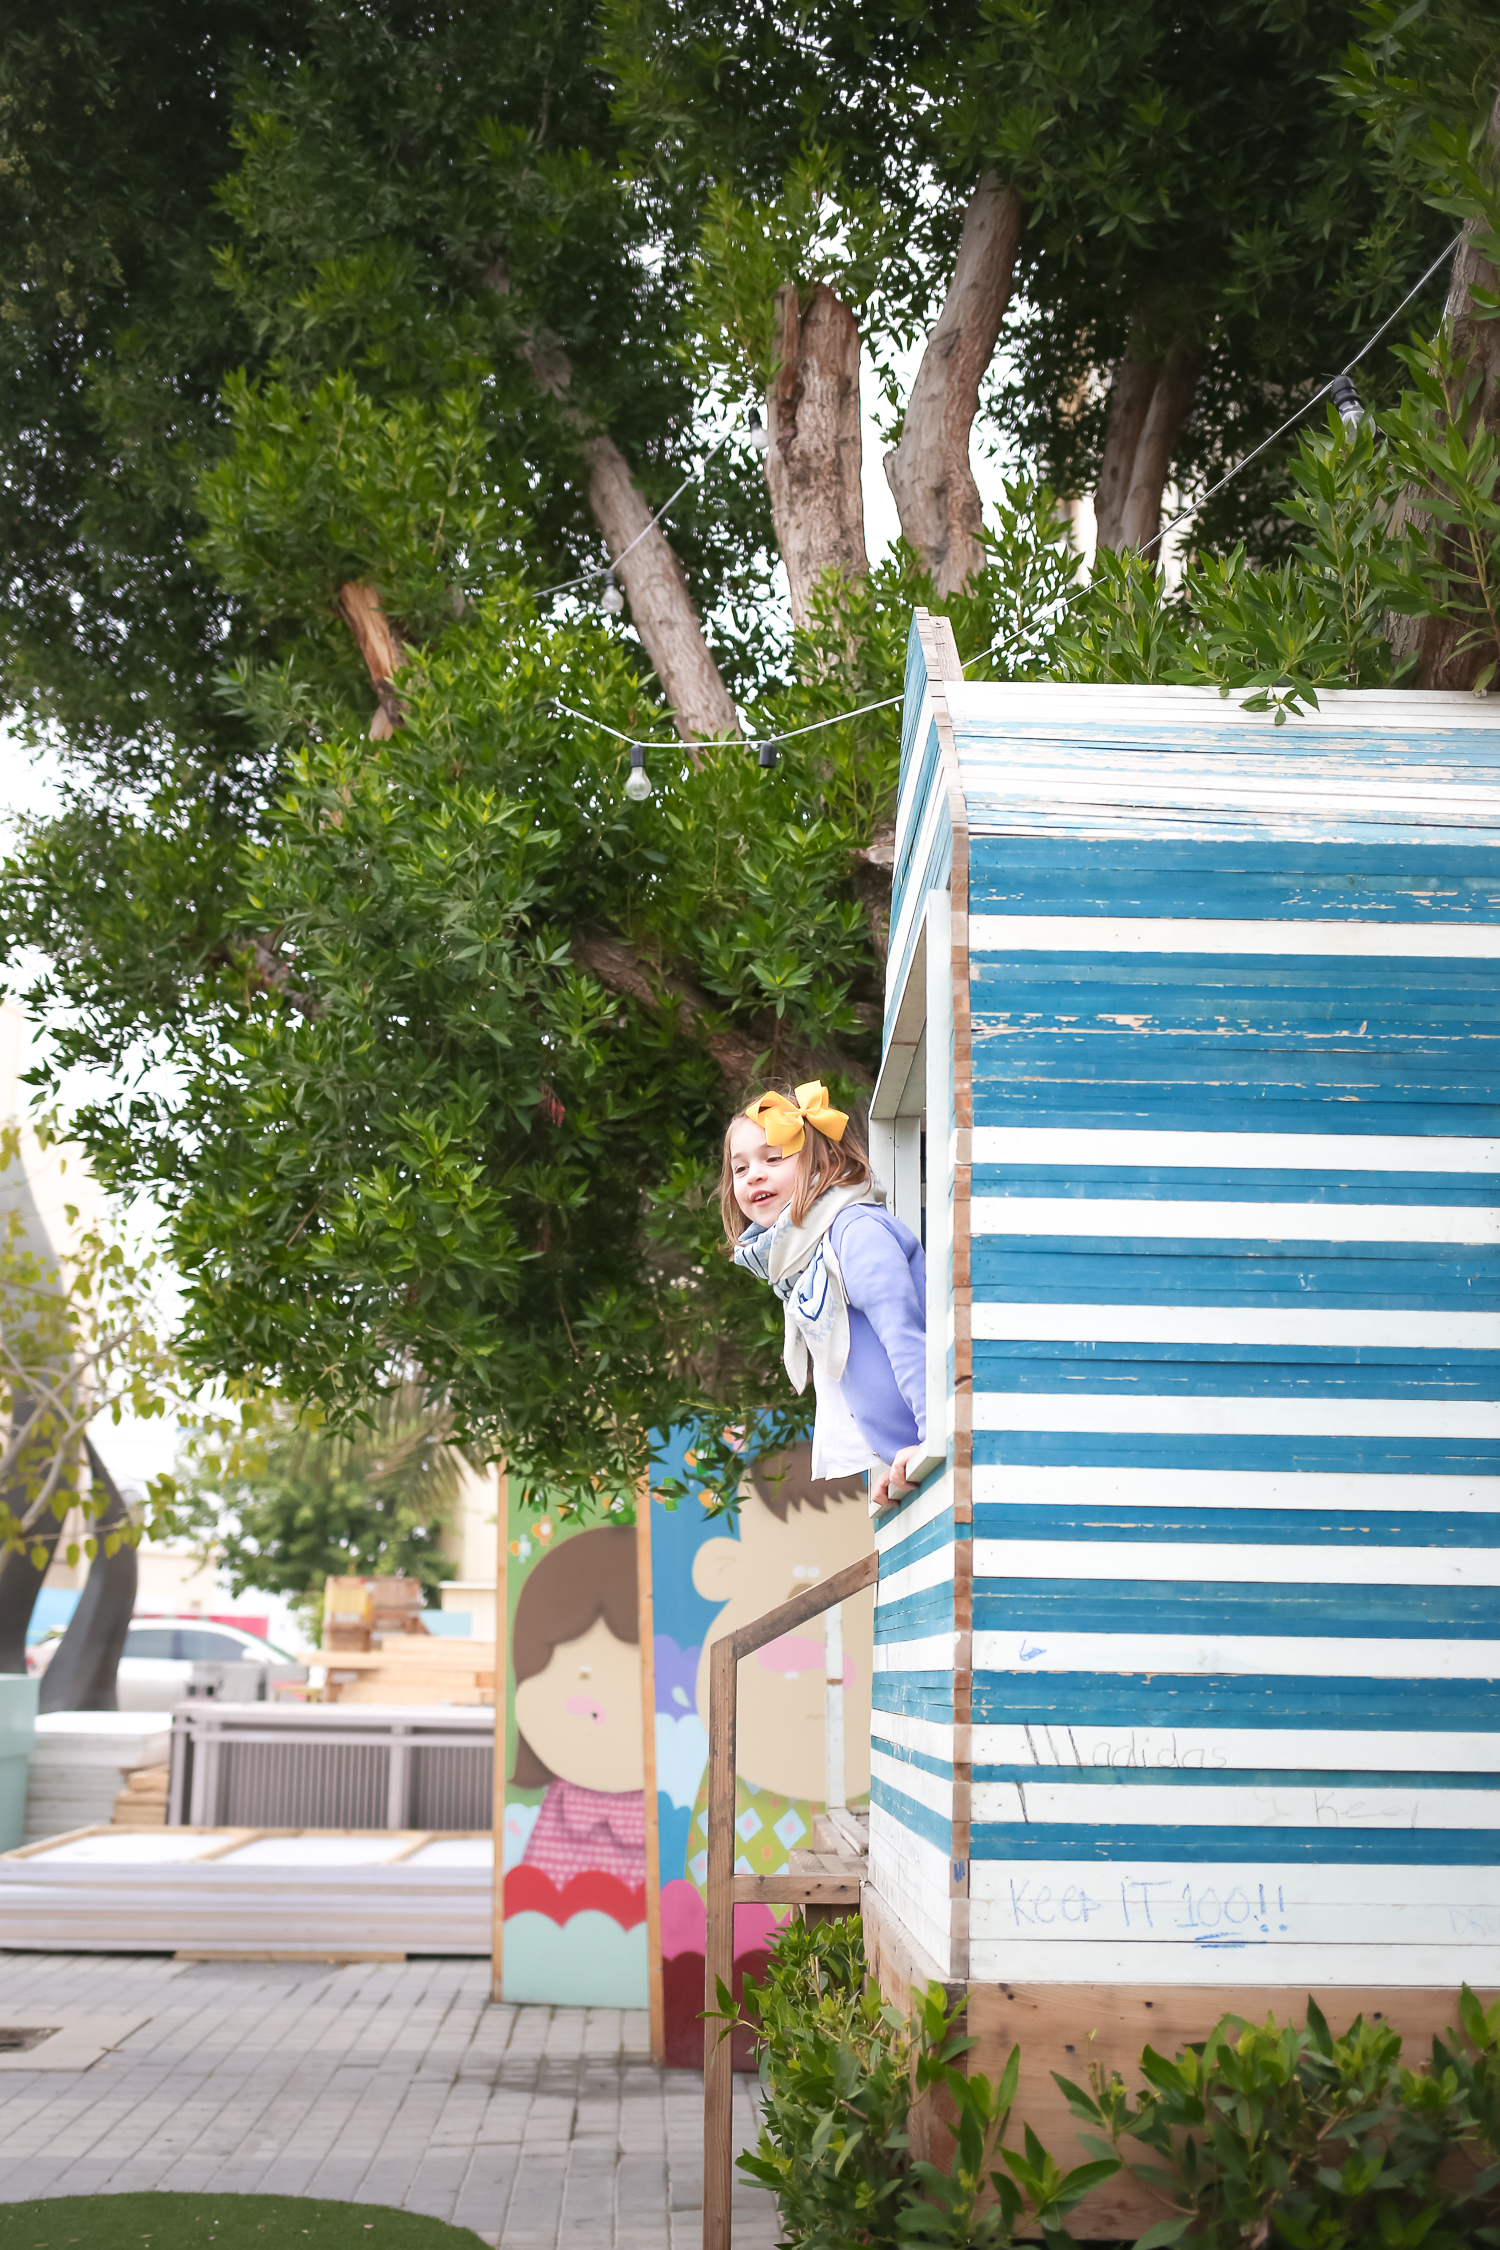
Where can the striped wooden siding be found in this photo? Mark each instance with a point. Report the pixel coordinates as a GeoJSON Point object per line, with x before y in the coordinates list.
{"type": "Point", "coordinates": [1235, 1454]}
{"type": "Point", "coordinates": [922, 1684]}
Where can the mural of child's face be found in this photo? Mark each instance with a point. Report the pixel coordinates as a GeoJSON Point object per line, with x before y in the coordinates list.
{"type": "Point", "coordinates": [582, 1714]}
{"type": "Point", "coordinates": [781, 1699]}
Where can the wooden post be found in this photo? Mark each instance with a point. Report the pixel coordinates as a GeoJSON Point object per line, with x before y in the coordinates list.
{"type": "Point", "coordinates": [718, 1950]}
{"type": "Point", "coordinates": [833, 1709]}
{"type": "Point", "coordinates": [647, 1629]}
{"type": "Point", "coordinates": [718, 1963]}
{"type": "Point", "coordinates": [502, 1664]}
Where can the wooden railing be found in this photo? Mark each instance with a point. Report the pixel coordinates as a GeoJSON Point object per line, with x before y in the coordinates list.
{"type": "Point", "coordinates": [724, 1887]}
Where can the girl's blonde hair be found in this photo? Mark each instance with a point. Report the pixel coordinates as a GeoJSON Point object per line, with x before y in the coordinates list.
{"type": "Point", "coordinates": [821, 1164]}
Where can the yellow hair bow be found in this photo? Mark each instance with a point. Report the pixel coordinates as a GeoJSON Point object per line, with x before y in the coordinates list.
{"type": "Point", "coordinates": [782, 1120]}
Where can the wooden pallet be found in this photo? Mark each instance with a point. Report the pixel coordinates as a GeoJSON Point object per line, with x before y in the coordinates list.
{"type": "Point", "coordinates": [142, 1803]}
{"type": "Point", "coordinates": [409, 1668]}
{"type": "Point", "coordinates": [120, 1894]}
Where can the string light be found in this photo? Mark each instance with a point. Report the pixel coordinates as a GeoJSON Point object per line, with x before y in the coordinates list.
{"type": "Point", "coordinates": [760, 436]}
{"type": "Point", "coordinates": [1346, 398]}
{"type": "Point", "coordinates": [612, 600]}
{"type": "Point", "coordinates": [1340, 388]}
{"type": "Point", "coordinates": [637, 781]}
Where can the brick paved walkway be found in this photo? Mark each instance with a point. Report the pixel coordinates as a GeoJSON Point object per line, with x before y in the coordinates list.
{"type": "Point", "coordinates": [399, 2085]}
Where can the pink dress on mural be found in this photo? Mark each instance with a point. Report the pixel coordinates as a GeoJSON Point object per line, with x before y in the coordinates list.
{"type": "Point", "coordinates": [589, 1832]}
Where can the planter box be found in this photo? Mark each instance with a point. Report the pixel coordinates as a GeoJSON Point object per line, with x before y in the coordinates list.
{"type": "Point", "coordinates": [18, 1701]}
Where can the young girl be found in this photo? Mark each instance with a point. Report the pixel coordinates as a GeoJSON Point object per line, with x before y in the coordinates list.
{"type": "Point", "coordinates": [804, 1212]}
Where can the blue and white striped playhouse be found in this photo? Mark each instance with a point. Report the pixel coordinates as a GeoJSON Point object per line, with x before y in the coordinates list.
{"type": "Point", "coordinates": [1188, 1650]}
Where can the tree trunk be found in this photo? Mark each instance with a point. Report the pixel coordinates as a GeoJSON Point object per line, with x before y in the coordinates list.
{"type": "Point", "coordinates": [661, 608]}
{"type": "Point", "coordinates": [1150, 398]}
{"type": "Point", "coordinates": [813, 466]}
{"type": "Point", "coordinates": [382, 648]}
{"type": "Point", "coordinates": [737, 1051]}
{"type": "Point", "coordinates": [929, 473]}
{"type": "Point", "coordinates": [1435, 640]}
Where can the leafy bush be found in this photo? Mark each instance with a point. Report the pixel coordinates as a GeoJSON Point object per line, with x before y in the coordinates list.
{"type": "Point", "coordinates": [839, 2070]}
{"type": "Point", "coordinates": [1267, 2132]}
{"type": "Point", "coordinates": [1263, 2134]}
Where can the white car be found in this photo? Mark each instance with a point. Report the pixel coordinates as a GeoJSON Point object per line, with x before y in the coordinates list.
{"type": "Point", "coordinates": [160, 1653]}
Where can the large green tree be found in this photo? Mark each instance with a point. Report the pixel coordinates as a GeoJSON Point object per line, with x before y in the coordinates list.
{"type": "Point", "coordinates": [443, 1026]}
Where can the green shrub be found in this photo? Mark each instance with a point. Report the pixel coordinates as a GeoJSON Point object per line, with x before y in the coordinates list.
{"type": "Point", "coordinates": [839, 2070]}
{"type": "Point", "coordinates": [1262, 2135]}
{"type": "Point", "coordinates": [1267, 2133]}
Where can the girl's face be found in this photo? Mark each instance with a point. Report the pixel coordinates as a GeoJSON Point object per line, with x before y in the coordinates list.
{"type": "Point", "coordinates": [763, 1177]}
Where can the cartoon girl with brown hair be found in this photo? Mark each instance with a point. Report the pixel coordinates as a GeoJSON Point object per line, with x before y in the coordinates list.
{"type": "Point", "coordinates": [574, 1648]}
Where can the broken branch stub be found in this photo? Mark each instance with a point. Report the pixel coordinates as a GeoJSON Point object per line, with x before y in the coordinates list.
{"type": "Point", "coordinates": [382, 648]}
{"type": "Point", "coordinates": [813, 461]}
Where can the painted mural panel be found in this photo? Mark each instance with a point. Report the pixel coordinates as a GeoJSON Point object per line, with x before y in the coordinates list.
{"type": "Point", "coordinates": [575, 1824]}
{"type": "Point", "coordinates": [711, 1575]}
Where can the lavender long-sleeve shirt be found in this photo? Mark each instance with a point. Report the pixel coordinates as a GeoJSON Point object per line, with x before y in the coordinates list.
{"type": "Point", "coordinates": [885, 1280]}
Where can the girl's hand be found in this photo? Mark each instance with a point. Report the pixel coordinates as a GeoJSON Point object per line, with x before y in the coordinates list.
{"type": "Point", "coordinates": [881, 1495]}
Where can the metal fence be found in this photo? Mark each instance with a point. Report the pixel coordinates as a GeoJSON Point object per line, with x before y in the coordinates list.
{"type": "Point", "coordinates": [254, 1765]}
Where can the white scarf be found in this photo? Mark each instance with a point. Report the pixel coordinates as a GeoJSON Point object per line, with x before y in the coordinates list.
{"type": "Point", "coordinates": [801, 1266]}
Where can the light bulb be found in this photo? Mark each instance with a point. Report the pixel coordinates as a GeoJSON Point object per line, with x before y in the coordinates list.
{"type": "Point", "coordinates": [760, 436]}
{"type": "Point", "coordinates": [612, 599]}
{"type": "Point", "coordinates": [637, 781]}
{"type": "Point", "coordinates": [1346, 398]}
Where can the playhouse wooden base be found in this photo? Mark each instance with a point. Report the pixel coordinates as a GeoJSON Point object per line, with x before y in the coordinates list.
{"type": "Point", "coordinates": [1064, 2027]}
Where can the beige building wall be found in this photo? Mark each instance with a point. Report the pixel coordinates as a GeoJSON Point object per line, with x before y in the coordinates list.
{"type": "Point", "coordinates": [472, 1541]}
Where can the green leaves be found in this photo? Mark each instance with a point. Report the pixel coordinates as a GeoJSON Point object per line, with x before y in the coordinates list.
{"type": "Point", "coordinates": [1369, 551]}
{"type": "Point", "coordinates": [819, 227]}
{"type": "Point", "coordinates": [80, 1337]}
{"type": "Point", "coordinates": [838, 2071]}
{"type": "Point", "coordinates": [324, 484]}
{"type": "Point", "coordinates": [1322, 2142]}
{"type": "Point", "coordinates": [290, 1503]}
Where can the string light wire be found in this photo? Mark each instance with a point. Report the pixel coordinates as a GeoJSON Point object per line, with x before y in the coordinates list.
{"type": "Point", "coordinates": [1367, 346]}
{"type": "Point", "coordinates": [764, 742]}
{"type": "Point", "coordinates": [604, 570]}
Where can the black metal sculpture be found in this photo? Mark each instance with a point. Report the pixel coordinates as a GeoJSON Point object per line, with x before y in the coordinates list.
{"type": "Point", "coordinates": [83, 1675]}
{"type": "Point", "coordinates": [21, 1578]}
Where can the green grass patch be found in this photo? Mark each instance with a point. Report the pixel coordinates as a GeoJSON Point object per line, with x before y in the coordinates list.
{"type": "Point", "coordinates": [220, 2222]}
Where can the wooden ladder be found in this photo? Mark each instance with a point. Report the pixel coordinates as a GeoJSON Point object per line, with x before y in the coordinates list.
{"type": "Point", "coordinates": [832, 1884]}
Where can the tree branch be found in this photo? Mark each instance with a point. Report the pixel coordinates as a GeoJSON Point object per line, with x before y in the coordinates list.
{"type": "Point", "coordinates": [928, 472]}
{"type": "Point", "coordinates": [737, 1052]}
{"type": "Point", "coordinates": [271, 974]}
{"type": "Point", "coordinates": [1437, 642]}
{"type": "Point", "coordinates": [872, 875]}
{"type": "Point", "coordinates": [813, 465]}
{"type": "Point", "coordinates": [1150, 399]}
{"type": "Point", "coordinates": [661, 607]}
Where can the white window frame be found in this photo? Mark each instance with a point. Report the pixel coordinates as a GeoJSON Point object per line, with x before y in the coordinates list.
{"type": "Point", "coordinates": [913, 1090]}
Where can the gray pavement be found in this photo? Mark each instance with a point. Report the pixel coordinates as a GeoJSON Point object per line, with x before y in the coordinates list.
{"type": "Point", "coordinates": [398, 2084]}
